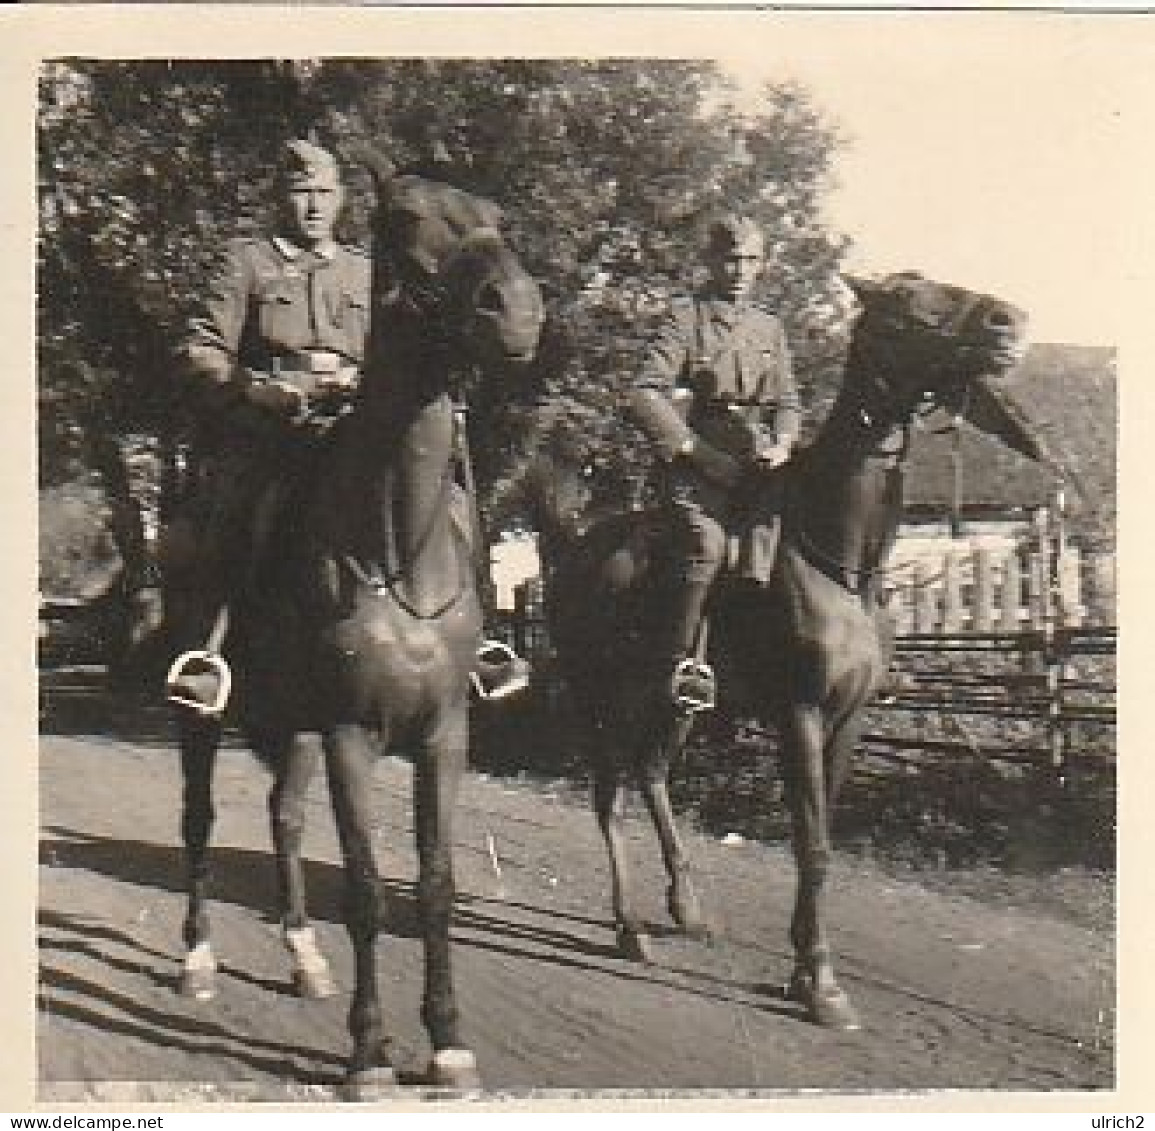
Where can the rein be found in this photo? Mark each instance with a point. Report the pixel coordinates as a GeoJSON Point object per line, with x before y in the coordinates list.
{"type": "Point", "coordinates": [858, 579]}
{"type": "Point", "coordinates": [854, 580]}
{"type": "Point", "coordinates": [425, 311]}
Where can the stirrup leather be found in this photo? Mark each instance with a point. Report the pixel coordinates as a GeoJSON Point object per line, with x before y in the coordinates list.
{"type": "Point", "coordinates": [200, 661]}
{"type": "Point", "coordinates": [693, 687]}
{"type": "Point", "coordinates": [505, 672]}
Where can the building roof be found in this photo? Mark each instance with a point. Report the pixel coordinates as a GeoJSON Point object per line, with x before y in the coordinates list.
{"type": "Point", "coordinates": [1069, 395]}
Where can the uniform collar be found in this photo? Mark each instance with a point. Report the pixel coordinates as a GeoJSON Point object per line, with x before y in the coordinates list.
{"type": "Point", "coordinates": [723, 309]}
{"type": "Point", "coordinates": [292, 251]}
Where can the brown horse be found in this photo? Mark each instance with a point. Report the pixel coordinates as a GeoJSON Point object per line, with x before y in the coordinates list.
{"type": "Point", "coordinates": [804, 647]}
{"type": "Point", "coordinates": [363, 628]}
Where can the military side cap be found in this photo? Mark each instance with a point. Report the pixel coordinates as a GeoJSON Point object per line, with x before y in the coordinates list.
{"type": "Point", "coordinates": [732, 233]}
{"type": "Point", "coordinates": [306, 165]}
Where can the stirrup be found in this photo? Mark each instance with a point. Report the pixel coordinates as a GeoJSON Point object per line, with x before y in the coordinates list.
{"type": "Point", "coordinates": [199, 661]}
{"type": "Point", "coordinates": [502, 671]}
{"type": "Point", "coordinates": [693, 687]}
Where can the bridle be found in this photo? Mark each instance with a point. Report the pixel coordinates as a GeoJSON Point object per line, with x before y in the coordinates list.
{"type": "Point", "coordinates": [882, 416]}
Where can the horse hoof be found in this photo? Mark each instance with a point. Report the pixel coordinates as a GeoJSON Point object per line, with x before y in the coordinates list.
{"type": "Point", "coordinates": [197, 983]}
{"type": "Point", "coordinates": [690, 921]}
{"type": "Point", "coordinates": [454, 1068]}
{"type": "Point", "coordinates": [314, 985]}
{"type": "Point", "coordinates": [697, 930]}
{"type": "Point", "coordinates": [368, 1085]}
{"type": "Point", "coordinates": [829, 1008]}
{"type": "Point", "coordinates": [686, 911]}
{"type": "Point", "coordinates": [832, 1010]}
{"type": "Point", "coordinates": [311, 976]}
{"type": "Point", "coordinates": [634, 945]}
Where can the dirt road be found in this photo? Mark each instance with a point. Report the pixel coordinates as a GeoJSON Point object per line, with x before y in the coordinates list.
{"type": "Point", "coordinates": [955, 993]}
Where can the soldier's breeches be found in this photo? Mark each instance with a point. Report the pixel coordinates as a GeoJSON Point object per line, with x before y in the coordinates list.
{"type": "Point", "coordinates": [699, 550]}
{"type": "Point", "coordinates": [699, 543]}
{"type": "Point", "coordinates": [239, 487]}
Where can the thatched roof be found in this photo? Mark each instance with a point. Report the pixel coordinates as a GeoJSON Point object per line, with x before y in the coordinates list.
{"type": "Point", "coordinates": [1069, 395]}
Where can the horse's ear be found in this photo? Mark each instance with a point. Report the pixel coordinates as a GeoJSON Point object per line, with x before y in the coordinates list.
{"type": "Point", "coordinates": [365, 153]}
{"type": "Point", "coordinates": [862, 287]}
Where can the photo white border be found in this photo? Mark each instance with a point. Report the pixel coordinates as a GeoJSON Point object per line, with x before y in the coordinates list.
{"type": "Point", "coordinates": [31, 33]}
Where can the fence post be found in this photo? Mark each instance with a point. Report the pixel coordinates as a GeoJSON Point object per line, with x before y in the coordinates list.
{"type": "Point", "coordinates": [1071, 609]}
{"type": "Point", "coordinates": [1038, 588]}
{"type": "Point", "coordinates": [925, 600]}
{"type": "Point", "coordinates": [952, 612]}
{"type": "Point", "coordinates": [1053, 655]}
{"type": "Point", "coordinates": [902, 602]}
{"type": "Point", "coordinates": [984, 591]}
{"type": "Point", "coordinates": [1011, 594]}
{"type": "Point", "coordinates": [1101, 588]}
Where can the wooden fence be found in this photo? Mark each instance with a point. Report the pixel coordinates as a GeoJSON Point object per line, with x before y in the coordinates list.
{"type": "Point", "coordinates": [983, 590]}
{"type": "Point", "coordinates": [1007, 656]}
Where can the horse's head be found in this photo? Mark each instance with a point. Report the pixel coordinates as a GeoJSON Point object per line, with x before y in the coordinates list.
{"type": "Point", "coordinates": [918, 342]}
{"type": "Point", "coordinates": [444, 253]}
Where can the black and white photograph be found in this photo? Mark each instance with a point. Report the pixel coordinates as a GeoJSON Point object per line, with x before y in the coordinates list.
{"type": "Point", "coordinates": [579, 565]}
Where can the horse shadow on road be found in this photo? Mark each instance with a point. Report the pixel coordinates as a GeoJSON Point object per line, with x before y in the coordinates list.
{"type": "Point", "coordinates": [65, 995]}
{"type": "Point", "coordinates": [513, 931]}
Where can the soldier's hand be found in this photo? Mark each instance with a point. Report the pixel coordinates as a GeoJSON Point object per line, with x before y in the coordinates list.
{"type": "Point", "coordinates": [718, 466]}
{"type": "Point", "coordinates": [344, 380]}
{"type": "Point", "coordinates": [278, 397]}
{"type": "Point", "coordinates": [772, 455]}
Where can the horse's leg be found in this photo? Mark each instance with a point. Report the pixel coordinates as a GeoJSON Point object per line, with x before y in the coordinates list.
{"type": "Point", "coordinates": [681, 898]}
{"type": "Point", "coordinates": [295, 761]}
{"type": "Point", "coordinates": [843, 730]}
{"type": "Point", "coordinates": [199, 741]}
{"type": "Point", "coordinates": [436, 777]}
{"type": "Point", "coordinates": [349, 765]}
{"type": "Point", "coordinates": [632, 941]}
{"type": "Point", "coordinates": [812, 982]}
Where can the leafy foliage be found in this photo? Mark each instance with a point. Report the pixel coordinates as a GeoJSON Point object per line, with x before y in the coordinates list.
{"type": "Point", "coordinates": [606, 170]}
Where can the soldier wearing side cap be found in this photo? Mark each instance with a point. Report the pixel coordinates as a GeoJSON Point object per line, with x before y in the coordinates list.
{"type": "Point", "coordinates": [284, 321]}
{"type": "Point", "coordinates": [716, 395]}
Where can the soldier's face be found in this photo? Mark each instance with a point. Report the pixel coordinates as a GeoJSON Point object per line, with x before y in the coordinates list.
{"type": "Point", "coordinates": [734, 272]}
{"type": "Point", "coordinates": [312, 210]}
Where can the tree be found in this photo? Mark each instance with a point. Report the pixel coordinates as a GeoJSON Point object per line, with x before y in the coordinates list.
{"type": "Point", "coordinates": [606, 171]}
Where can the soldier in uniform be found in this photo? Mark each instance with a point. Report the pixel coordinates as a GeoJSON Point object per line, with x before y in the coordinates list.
{"type": "Point", "coordinates": [716, 395]}
{"type": "Point", "coordinates": [285, 320]}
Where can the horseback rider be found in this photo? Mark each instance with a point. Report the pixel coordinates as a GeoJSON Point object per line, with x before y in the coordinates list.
{"type": "Point", "coordinates": [285, 321]}
{"type": "Point", "coordinates": [716, 395]}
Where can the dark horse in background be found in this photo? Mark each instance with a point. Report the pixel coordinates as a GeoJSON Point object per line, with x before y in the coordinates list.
{"type": "Point", "coordinates": [806, 648]}
{"type": "Point", "coordinates": [363, 628]}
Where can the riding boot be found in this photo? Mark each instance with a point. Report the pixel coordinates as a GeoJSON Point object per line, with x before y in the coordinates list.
{"type": "Point", "coordinates": [201, 678]}
{"type": "Point", "coordinates": [693, 686]}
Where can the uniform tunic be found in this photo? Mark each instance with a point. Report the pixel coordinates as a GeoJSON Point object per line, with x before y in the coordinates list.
{"type": "Point", "coordinates": [723, 351]}
{"type": "Point", "coordinates": [725, 367]}
{"type": "Point", "coordinates": [272, 310]}
{"type": "Point", "coordinates": [271, 303]}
